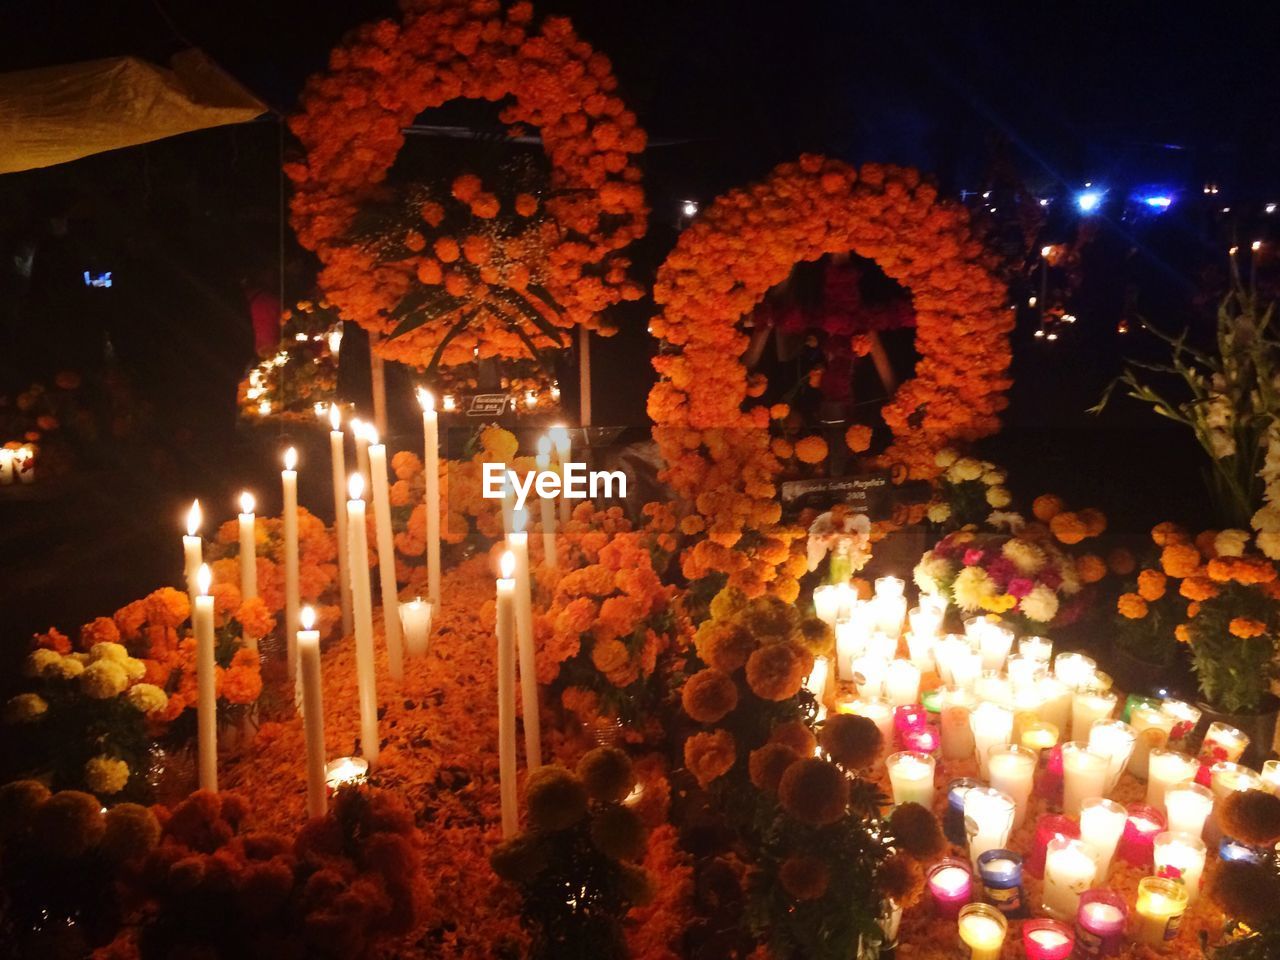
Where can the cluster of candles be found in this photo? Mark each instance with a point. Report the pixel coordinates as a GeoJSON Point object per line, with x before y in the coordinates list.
{"type": "Point", "coordinates": [17, 465]}
{"type": "Point", "coordinates": [1041, 725]}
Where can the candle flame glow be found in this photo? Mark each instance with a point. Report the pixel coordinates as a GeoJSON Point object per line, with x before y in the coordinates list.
{"type": "Point", "coordinates": [371, 434]}
{"type": "Point", "coordinates": [246, 502]}
{"type": "Point", "coordinates": [290, 458]}
{"type": "Point", "coordinates": [194, 518]}
{"type": "Point", "coordinates": [307, 617]}
{"type": "Point", "coordinates": [204, 579]}
{"type": "Point", "coordinates": [559, 435]}
{"type": "Point", "coordinates": [355, 486]}
{"type": "Point", "coordinates": [427, 399]}
{"type": "Point", "coordinates": [335, 340]}
{"type": "Point", "coordinates": [507, 564]}
{"type": "Point", "coordinates": [335, 417]}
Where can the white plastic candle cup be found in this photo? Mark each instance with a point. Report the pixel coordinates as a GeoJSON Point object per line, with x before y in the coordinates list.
{"type": "Point", "coordinates": [1152, 726]}
{"type": "Point", "coordinates": [1024, 671]}
{"type": "Point", "coordinates": [988, 820]}
{"type": "Point", "coordinates": [1084, 775]}
{"type": "Point", "coordinates": [1088, 706]}
{"type": "Point", "coordinates": [1185, 717]}
{"type": "Point", "coordinates": [955, 706]}
{"type": "Point", "coordinates": [966, 667]}
{"type": "Point", "coordinates": [1223, 742]}
{"type": "Point", "coordinates": [1182, 856]}
{"type": "Point", "coordinates": [992, 686]}
{"type": "Point", "coordinates": [992, 724]}
{"type": "Point", "coordinates": [868, 675]}
{"type": "Point", "coordinates": [1012, 770]}
{"type": "Point", "coordinates": [994, 643]}
{"type": "Point", "coordinates": [1070, 867]}
{"type": "Point", "coordinates": [1114, 739]}
{"type": "Point", "coordinates": [1165, 768]}
{"type": "Point", "coordinates": [826, 603]}
{"type": "Point", "coordinates": [911, 778]}
{"type": "Point", "coordinates": [1055, 703]}
{"type": "Point", "coordinates": [920, 649]}
{"type": "Point", "coordinates": [1074, 669]}
{"type": "Point", "coordinates": [945, 650]}
{"type": "Point", "coordinates": [1102, 825]}
{"type": "Point", "coordinates": [902, 683]}
{"type": "Point", "coordinates": [1036, 648]}
{"type": "Point", "coordinates": [1187, 806]}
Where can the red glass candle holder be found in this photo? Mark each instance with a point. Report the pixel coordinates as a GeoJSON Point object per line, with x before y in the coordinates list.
{"type": "Point", "coordinates": [921, 741]}
{"type": "Point", "coordinates": [1100, 924]}
{"type": "Point", "coordinates": [909, 719]}
{"type": "Point", "coordinates": [951, 885]}
{"type": "Point", "coordinates": [1047, 827]}
{"type": "Point", "coordinates": [1049, 777]}
{"type": "Point", "coordinates": [1047, 940]}
{"type": "Point", "coordinates": [1137, 843]}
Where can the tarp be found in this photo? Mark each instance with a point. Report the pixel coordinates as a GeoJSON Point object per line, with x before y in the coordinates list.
{"type": "Point", "coordinates": [57, 114]}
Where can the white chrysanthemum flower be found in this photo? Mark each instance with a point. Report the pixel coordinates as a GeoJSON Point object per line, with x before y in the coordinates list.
{"type": "Point", "coordinates": [994, 476]}
{"type": "Point", "coordinates": [1041, 604]}
{"type": "Point", "coordinates": [931, 571]}
{"type": "Point", "coordinates": [1267, 519]}
{"type": "Point", "coordinates": [39, 661]}
{"type": "Point", "coordinates": [108, 651]}
{"type": "Point", "coordinates": [147, 698]}
{"type": "Point", "coordinates": [938, 512]}
{"type": "Point", "coordinates": [1231, 543]}
{"type": "Point", "coordinates": [964, 469]}
{"type": "Point", "coordinates": [1024, 555]}
{"type": "Point", "coordinates": [999, 497]}
{"type": "Point", "coordinates": [973, 588]}
{"type": "Point", "coordinates": [106, 775]}
{"type": "Point", "coordinates": [1006, 520]}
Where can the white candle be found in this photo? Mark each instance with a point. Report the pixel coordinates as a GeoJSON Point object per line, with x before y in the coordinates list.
{"type": "Point", "coordinates": [992, 724]}
{"type": "Point", "coordinates": [339, 462]}
{"type": "Point", "coordinates": [957, 734]}
{"type": "Point", "coordinates": [1024, 672]}
{"type": "Point", "coordinates": [508, 502]}
{"type": "Point", "coordinates": [1102, 824]}
{"type": "Point", "coordinates": [1012, 770]}
{"type": "Point", "coordinates": [925, 620]}
{"type": "Point", "coordinates": [193, 550]}
{"type": "Point", "coordinates": [1152, 727]}
{"type": "Point", "coordinates": [1164, 769]}
{"type": "Point", "coordinates": [1187, 806]}
{"type": "Point", "coordinates": [6, 465]}
{"type": "Point", "coordinates": [1055, 705]}
{"type": "Point", "coordinates": [920, 649]}
{"type": "Point", "coordinates": [1070, 867]}
{"type": "Point", "coordinates": [415, 618]}
{"type": "Point", "coordinates": [826, 603]}
{"type": "Point", "coordinates": [24, 464]}
{"type": "Point", "coordinates": [1113, 739]}
{"type": "Point", "coordinates": [966, 667]}
{"type": "Point", "coordinates": [868, 674]}
{"type": "Point", "coordinates": [1074, 669]}
{"type": "Point", "coordinates": [988, 817]}
{"type": "Point", "coordinates": [878, 711]}
{"type": "Point", "coordinates": [816, 683]}
{"type": "Point", "coordinates": [546, 507]}
{"type": "Point", "coordinates": [992, 686]}
{"type": "Point", "coordinates": [890, 606]}
{"type": "Point", "coordinates": [911, 778]}
{"type": "Point", "coordinates": [312, 711]}
{"type": "Point", "coordinates": [206, 682]}
{"type": "Point", "coordinates": [1036, 648]}
{"type": "Point", "coordinates": [1226, 778]}
{"type": "Point", "coordinates": [1271, 776]}
{"type": "Point", "coordinates": [362, 603]}
{"type": "Point", "coordinates": [1084, 775]}
{"type": "Point", "coordinates": [1181, 855]}
{"type": "Point", "coordinates": [518, 544]}
{"type": "Point", "coordinates": [292, 600]}
{"type": "Point", "coordinates": [358, 428]}
{"type": "Point", "coordinates": [1088, 706]}
{"type": "Point", "coordinates": [248, 548]}
{"type": "Point", "coordinates": [902, 683]}
{"type": "Point", "coordinates": [1185, 717]}
{"type": "Point", "coordinates": [506, 639]}
{"type": "Point", "coordinates": [945, 650]}
{"type": "Point", "coordinates": [431, 468]}
{"type": "Point", "coordinates": [386, 556]}
{"type": "Point", "coordinates": [994, 643]}
{"type": "Point", "coordinates": [560, 440]}
{"type": "Point", "coordinates": [849, 646]}
{"type": "Point", "coordinates": [1227, 739]}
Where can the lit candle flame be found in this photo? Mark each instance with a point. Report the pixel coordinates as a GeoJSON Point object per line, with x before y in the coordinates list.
{"type": "Point", "coordinates": [204, 579]}
{"type": "Point", "coordinates": [307, 617]}
{"type": "Point", "coordinates": [507, 564]}
{"type": "Point", "coordinates": [357, 427]}
{"type": "Point", "coordinates": [450, 403]}
{"type": "Point", "coordinates": [335, 417]}
{"type": "Point", "coordinates": [335, 340]}
{"type": "Point", "coordinates": [371, 434]}
{"type": "Point", "coordinates": [427, 399]}
{"type": "Point", "coordinates": [194, 518]}
{"type": "Point", "coordinates": [290, 458]}
{"type": "Point", "coordinates": [246, 502]}
{"type": "Point", "coordinates": [355, 486]}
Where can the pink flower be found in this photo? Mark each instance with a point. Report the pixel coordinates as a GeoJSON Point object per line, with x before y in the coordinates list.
{"type": "Point", "coordinates": [1021, 586]}
{"type": "Point", "coordinates": [972, 557]}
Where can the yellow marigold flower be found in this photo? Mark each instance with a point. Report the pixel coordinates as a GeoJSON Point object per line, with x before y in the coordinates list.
{"type": "Point", "coordinates": [104, 679]}
{"type": "Point", "coordinates": [1068, 527]}
{"type": "Point", "coordinates": [812, 449]}
{"type": "Point", "coordinates": [106, 775]}
{"type": "Point", "coordinates": [710, 755]}
{"type": "Point", "coordinates": [1132, 606]}
{"type": "Point", "coordinates": [1046, 507]}
{"type": "Point", "coordinates": [1000, 603]}
{"type": "Point", "coordinates": [1090, 568]}
{"type": "Point", "coordinates": [1151, 585]}
{"type": "Point", "coordinates": [25, 708]}
{"type": "Point", "coordinates": [1180, 560]}
{"type": "Point", "coordinates": [1246, 628]}
{"type": "Point", "coordinates": [1182, 632]}
{"type": "Point", "coordinates": [858, 438]}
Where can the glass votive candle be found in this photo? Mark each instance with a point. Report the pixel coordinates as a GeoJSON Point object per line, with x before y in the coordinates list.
{"type": "Point", "coordinates": [951, 885]}
{"type": "Point", "coordinates": [1012, 769]}
{"type": "Point", "coordinates": [882, 646]}
{"type": "Point", "coordinates": [1180, 856]}
{"type": "Point", "coordinates": [889, 587]}
{"type": "Point", "coordinates": [1102, 824]}
{"type": "Point", "coordinates": [1165, 768]}
{"type": "Point", "coordinates": [1039, 735]}
{"type": "Point", "coordinates": [982, 930]}
{"type": "Point", "coordinates": [1114, 739]}
{"type": "Point", "coordinates": [1055, 703]}
{"type": "Point", "coordinates": [934, 602]}
{"type": "Point", "coordinates": [877, 710]}
{"type": "Point", "coordinates": [1157, 915]}
{"type": "Point", "coordinates": [931, 700]}
{"type": "Point", "coordinates": [868, 674]}
{"type": "Point", "coordinates": [1271, 776]}
{"type": "Point", "coordinates": [907, 718]}
{"type": "Point", "coordinates": [966, 667]}
{"type": "Point", "coordinates": [988, 818]}
{"type": "Point", "coordinates": [902, 682]}
{"type": "Point", "coordinates": [1132, 702]}
{"type": "Point", "coordinates": [991, 724]}
{"type": "Point", "coordinates": [911, 778]}
{"type": "Point", "coordinates": [1222, 743]}
{"type": "Point", "coordinates": [1185, 717]}
{"type": "Point", "coordinates": [1233, 850]}
{"type": "Point", "coordinates": [1001, 874]}
{"type": "Point", "coordinates": [1140, 831]}
{"type": "Point", "coordinates": [1188, 805]}
{"type": "Point", "coordinates": [1103, 681]}
{"type": "Point", "coordinates": [1074, 669]}
{"type": "Point", "coordinates": [1024, 671]}
{"type": "Point", "coordinates": [345, 772]}
{"type": "Point", "coordinates": [1047, 940]}
{"type": "Point", "coordinates": [1152, 728]}
{"type": "Point", "coordinates": [994, 687]}
{"type": "Point", "coordinates": [921, 741]}
{"type": "Point", "coordinates": [1100, 924]}
{"type": "Point", "coordinates": [1087, 706]}
{"type": "Point", "coordinates": [1227, 778]}
{"type": "Point", "coordinates": [1070, 867]}
{"type": "Point", "coordinates": [955, 706]}
{"type": "Point", "coordinates": [994, 643]}
{"type": "Point", "coordinates": [953, 817]}
{"type": "Point", "coordinates": [1048, 827]}
{"type": "Point", "coordinates": [1084, 775]}
{"type": "Point", "coordinates": [1036, 648]}
{"type": "Point", "coordinates": [920, 647]}
{"type": "Point", "coordinates": [826, 603]}
{"type": "Point", "coordinates": [945, 650]}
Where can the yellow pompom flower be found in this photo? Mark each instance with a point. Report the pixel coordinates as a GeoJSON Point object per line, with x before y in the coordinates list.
{"type": "Point", "coordinates": [1131, 606]}
{"type": "Point", "coordinates": [104, 679]}
{"type": "Point", "coordinates": [148, 698]}
{"type": "Point", "coordinates": [25, 708]}
{"type": "Point", "coordinates": [106, 775]}
{"type": "Point", "coordinates": [811, 449]}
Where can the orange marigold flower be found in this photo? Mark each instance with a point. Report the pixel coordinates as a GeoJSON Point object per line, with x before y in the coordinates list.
{"type": "Point", "coordinates": [1193, 610]}
{"type": "Point", "coordinates": [796, 735]}
{"type": "Point", "coordinates": [1068, 527]}
{"type": "Point", "coordinates": [814, 792]}
{"type": "Point", "coordinates": [1121, 561]}
{"type": "Point", "coordinates": [858, 438]}
{"type": "Point", "coordinates": [1198, 589]}
{"type": "Point", "coordinates": [782, 449]}
{"type": "Point", "coordinates": [1180, 560]}
{"type": "Point", "coordinates": [767, 765]}
{"type": "Point", "coordinates": [526, 204]}
{"type": "Point", "coordinates": [724, 644]}
{"type": "Point", "coordinates": [775, 672]}
{"type": "Point", "coordinates": [804, 877]}
{"type": "Point", "coordinates": [1132, 606]}
{"type": "Point", "coordinates": [609, 655]}
{"type": "Point", "coordinates": [1095, 521]}
{"type": "Point", "coordinates": [853, 741]}
{"type": "Point", "coordinates": [779, 411]}
{"type": "Point", "coordinates": [1166, 533]}
{"type": "Point", "coordinates": [812, 449]}
{"type": "Point", "coordinates": [255, 619]}
{"type": "Point", "coordinates": [1182, 632]}
{"type": "Point", "coordinates": [1246, 628]}
{"type": "Point", "coordinates": [710, 755]}
{"type": "Point", "coordinates": [1151, 585]}
{"type": "Point", "coordinates": [709, 695]}
{"type": "Point", "coordinates": [100, 630]}
{"type": "Point", "coordinates": [1047, 506]}
{"type": "Point", "coordinates": [1090, 568]}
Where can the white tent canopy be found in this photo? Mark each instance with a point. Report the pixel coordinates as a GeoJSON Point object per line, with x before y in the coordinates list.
{"type": "Point", "coordinates": [56, 114]}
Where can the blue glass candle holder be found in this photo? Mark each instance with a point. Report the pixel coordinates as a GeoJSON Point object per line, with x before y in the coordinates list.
{"type": "Point", "coordinates": [1001, 874]}
{"type": "Point", "coordinates": [953, 818]}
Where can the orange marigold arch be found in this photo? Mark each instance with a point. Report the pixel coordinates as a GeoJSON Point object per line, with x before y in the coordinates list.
{"type": "Point", "coordinates": [715, 443]}
{"type": "Point", "coordinates": [351, 126]}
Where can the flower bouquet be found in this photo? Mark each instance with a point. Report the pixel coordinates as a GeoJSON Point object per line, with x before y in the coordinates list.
{"type": "Point", "coordinates": [967, 491]}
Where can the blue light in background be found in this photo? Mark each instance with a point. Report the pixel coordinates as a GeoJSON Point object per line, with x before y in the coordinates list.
{"type": "Point", "coordinates": [1159, 202]}
{"type": "Point", "coordinates": [1089, 200]}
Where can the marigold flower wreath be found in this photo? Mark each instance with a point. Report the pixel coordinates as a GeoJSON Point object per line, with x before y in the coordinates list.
{"type": "Point", "coordinates": [717, 448]}
{"type": "Point", "coordinates": [517, 275]}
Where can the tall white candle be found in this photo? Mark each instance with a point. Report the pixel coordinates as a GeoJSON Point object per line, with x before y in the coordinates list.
{"type": "Point", "coordinates": [206, 682]}
{"type": "Point", "coordinates": [1114, 739]}
{"type": "Point", "coordinates": [415, 617]}
{"type": "Point", "coordinates": [1102, 824]}
{"type": "Point", "coordinates": [988, 817]}
{"type": "Point", "coordinates": [1012, 770]}
{"type": "Point", "coordinates": [1187, 806]}
{"type": "Point", "coordinates": [1070, 867]}
{"type": "Point", "coordinates": [994, 643]}
{"type": "Point", "coordinates": [911, 778]}
{"type": "Point", "coordinates": [431, 482]}
{"type": "Point", "coordinates": [1084, 775]}
{"type": "Point", "coordinates": [1152, 727]}
{"type": "Point", "coordinates": [506, 639]}
{"type": "Point", "coordinates": [826, 603]}
{"type": "Point", "coordinates": [386, 556]}
{"type": "Point", "coordinates": [292, 600]}
{"type": "Point", "coordinates": [518, 544]}
{"type": "Point", "coordinates": [338, 458]}
{"type": "Point", "coordinates": [957, 734]}
{"type": "Point", "coordinates": [992, 724]}
{"type": "Point", "coordinates": [362, 603]}
{"type": "Point", "coordinates": [248, 548]}
{"type": "Point", "coordinates": [1088, 706]}
{"type": "Point", "coordinates": [546, 507]}
{"type": "Point", "coordinates": [1055, 704]}
{"type": "Point", "coordinates": [361, 437]}
{"type": "Point", "coordinates": [1181, 855]}
{"type": "Point", "coordinates": [560, 440]}
{"type": "Point", "coordinates": [1164, 769]}
{"type": "Point", "coordinates": [902, 683]}
{"type": "Point", "coordinates": [193, 550]}
{"type": "Point", "coordinates": [312, 711]}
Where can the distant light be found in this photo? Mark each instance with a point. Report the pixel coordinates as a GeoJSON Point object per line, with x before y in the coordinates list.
{"type": "Point", "coordinates": [1232, 251]}
{"type": "Point", "coordinates": [1068, 318]}
{"type": "Point", "coordinates": [1211, 189]}
{"type": "Point", "coordinates": [1046, 252]}
{"type": "Point", "coordinates": [689, 208]}
{"type": "Point", "coordinates": [1031, 301]}
{"type": "Point", "coordinates": [1226, 209]}
{"type": "Point", "coordinates": [1255, 246]}
{"type": "Point", "coordinates": [986, 194]}
{"type": "Point", "coordinates": [1045, 201]}
{"type": "Point", "coordinates": [1088, 200]}
{"type": "Point", "coordinates": [1270, 208]}
{"type": "Point", "coordinates": [1052, 336]}
{"type": "Point", "coordinates": [1039, 333]}
{"type": "Point", "coordinates": [1158, 202]}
